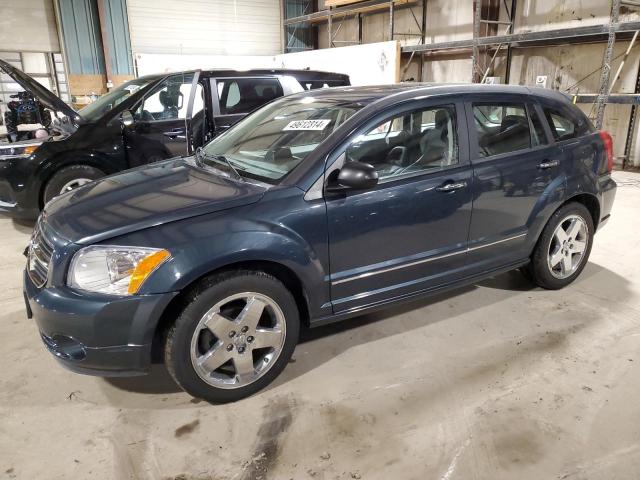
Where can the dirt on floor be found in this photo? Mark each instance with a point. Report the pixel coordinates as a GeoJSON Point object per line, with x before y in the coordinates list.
{"type": "Point", "coordinates": [495, 381]}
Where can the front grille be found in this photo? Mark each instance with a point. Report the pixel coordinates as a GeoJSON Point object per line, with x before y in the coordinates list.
{"type": "Point", "coordinates": [40, 251]}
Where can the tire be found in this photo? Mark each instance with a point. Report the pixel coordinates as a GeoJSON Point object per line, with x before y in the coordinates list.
{"type": "Point", "coordinates": [544, 269]}
{"type": "Point", "coordinates": [189, 341]}
{"type": "Point", "coordinates": [81, 174]}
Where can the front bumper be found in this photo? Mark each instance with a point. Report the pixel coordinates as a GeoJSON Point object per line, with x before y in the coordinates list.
{"type": "Point", "coordinates": [96, 334]}
{"type": "Point", "coordinates": [17, 198]}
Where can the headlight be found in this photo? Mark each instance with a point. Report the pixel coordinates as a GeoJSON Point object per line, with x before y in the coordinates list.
{"type": "Point", "coordinates": [18, 151]}
{"type": "Point", "coordinates": [114, 270]}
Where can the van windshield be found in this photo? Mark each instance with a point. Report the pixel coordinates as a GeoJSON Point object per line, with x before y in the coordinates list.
{"type": "Point", "coordinates": [102, 105]}
{"type": "Point", "coordinates": [272, 141]}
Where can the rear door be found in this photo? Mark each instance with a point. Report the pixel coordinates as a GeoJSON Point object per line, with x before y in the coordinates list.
{"type": "Point", "coordinates": [515, 166]}
{"type": "Point", "coordinates": [162, 120]}
{"type": "Point", "coordinates": [235, 97]}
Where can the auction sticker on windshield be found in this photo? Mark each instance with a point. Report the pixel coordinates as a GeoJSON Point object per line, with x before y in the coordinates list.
{"type": "Point", "coordinates": [307, 125]}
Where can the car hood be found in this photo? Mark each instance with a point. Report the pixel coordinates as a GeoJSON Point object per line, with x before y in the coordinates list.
{"type": "Point", "coordinates": [145, 197]}
{"type": "Point", "coordinates": [45, 96]}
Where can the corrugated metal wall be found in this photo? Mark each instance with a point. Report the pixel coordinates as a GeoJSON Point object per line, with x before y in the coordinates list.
{"type": "Point", "coordinates": [117, 26]}
{"type": "Point", "coordinates": [215, 27]}
{"type": "Point", "coordinates": [81, 32]}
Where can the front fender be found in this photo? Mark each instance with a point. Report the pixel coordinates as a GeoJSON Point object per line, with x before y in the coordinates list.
{"type": "Point", "coordinates": [197, 259]}
{"type": "Point", "coordinates": [284, 231]}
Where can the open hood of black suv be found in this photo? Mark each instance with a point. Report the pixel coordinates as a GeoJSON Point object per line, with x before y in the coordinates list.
{"type": "Point", "coordinates": [44, 96]}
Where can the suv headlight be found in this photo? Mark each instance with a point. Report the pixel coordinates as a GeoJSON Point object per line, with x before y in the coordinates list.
{"type": "Point", "coordinates": [17, 151]}
{"type": "Point", "coordinates": [114, 270]}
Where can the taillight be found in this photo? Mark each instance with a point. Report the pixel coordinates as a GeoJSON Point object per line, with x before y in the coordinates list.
{"type": "Point", "coordinates": [608, 148]}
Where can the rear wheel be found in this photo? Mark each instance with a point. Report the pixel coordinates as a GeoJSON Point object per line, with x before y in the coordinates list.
{"type": "Point", "coordinates": [563, 248]}
{"type": "Point", "coordinates": [69, 178]}
{"type": "Point", "coordinates": [234, 336]}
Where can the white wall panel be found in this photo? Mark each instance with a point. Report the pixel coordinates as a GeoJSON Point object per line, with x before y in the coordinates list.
{"type": "Point", "coordinates": [369, 64]}
{"type": "Point", "coordinates": [210, 27]}
{"type": "Point", "coordinates": [28, 26]}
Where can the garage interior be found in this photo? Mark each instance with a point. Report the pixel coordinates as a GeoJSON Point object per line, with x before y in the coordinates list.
{"type": "Point", "coordinates": [497, 380]}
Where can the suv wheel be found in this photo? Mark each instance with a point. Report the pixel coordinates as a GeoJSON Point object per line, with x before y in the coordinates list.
{"type": "Point", "coordinates": [68, 178]}
{"type": "Point", "coordinates": [234, 336]}
{"type": "Point", "coordinates": [563, 248]}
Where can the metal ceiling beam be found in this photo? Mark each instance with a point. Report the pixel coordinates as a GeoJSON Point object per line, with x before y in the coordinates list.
{"type": "Point", "coordinates": [619, 98]}
{"type": "Point", "coordinates": [572, 35]}
{"type": "Point", "coordinates": [362, 7]}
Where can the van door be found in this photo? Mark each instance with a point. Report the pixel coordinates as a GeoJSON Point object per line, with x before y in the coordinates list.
{"type": "Point", "coordinates": [516, 171]}
{"type": "Point", "coordinates": [162, 119]}
{"type": "Point", "coordinates": [235, 97]}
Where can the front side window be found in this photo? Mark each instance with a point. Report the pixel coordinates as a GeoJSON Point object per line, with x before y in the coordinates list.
{"type": "Point", "coordinates": [271, 142]}
{"type": "Point", "coordinates": [243, 95]}
{"type": "Point", "coordinates": [501, 128]}
{"type": "Point", "coordinates": [417, 141]}
{"type": "Point", "coordinates": [169, 101]}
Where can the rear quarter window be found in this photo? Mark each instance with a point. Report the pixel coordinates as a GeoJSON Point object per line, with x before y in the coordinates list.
{"type": "Point", "coordinates": [565, 124]}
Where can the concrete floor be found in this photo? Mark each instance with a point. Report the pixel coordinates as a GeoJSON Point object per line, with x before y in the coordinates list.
{"type": "Point", "coordinates": [495, 381]}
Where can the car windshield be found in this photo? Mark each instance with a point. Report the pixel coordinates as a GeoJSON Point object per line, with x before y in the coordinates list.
{"type": "Point", "coordinates": [102, 105]}
{"type": "Point", "coordinates": [271, 142]}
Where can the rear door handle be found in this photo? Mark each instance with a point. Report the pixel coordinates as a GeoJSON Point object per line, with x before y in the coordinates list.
{"type": "Point", "coordinates": [451, 187]}
{"type": "Point", "coordinates": [549, 164]}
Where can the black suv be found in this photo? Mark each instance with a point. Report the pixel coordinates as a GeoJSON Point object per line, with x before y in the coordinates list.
{"type": "Point", "coordinates": [145, 120]}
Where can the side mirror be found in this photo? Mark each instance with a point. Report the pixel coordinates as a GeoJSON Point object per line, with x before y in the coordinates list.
{"type": "Point", "coordinates": [353, 176]}
{"type": "Point", "coordinates": [126, 118]}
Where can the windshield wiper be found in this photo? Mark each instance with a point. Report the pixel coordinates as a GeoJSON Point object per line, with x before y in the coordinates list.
{"type": "Point", "coordinates": [202, 155]}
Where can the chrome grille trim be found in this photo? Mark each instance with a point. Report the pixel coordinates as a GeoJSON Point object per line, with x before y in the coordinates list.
{"type": "Point", "coordinates": [40, 252]}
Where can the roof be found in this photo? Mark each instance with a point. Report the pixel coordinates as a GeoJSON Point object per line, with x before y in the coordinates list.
{"type": "Point", "coordinates": [409, 90]}
{"type": "Point", "coordinates": [218, 72]}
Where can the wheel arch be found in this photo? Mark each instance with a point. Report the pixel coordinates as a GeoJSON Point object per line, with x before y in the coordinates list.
{"type": "Point", "coordinates": [590, 201]}
{"type": "Point", "coordinates": [281, 272]}
{"type": "Point", "coordinates": [57, 163]}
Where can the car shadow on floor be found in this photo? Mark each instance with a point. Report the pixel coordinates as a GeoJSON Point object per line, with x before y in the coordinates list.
{"type": "Point", "coordinates": [321, 344]}
{"type": "Point", "coordinates": [22, 225]}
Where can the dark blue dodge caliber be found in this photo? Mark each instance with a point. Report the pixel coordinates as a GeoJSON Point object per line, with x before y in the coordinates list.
{"type": "Point", "coordinates": [317, 207]}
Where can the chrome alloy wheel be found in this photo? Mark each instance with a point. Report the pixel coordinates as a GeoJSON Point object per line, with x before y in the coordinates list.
{"type": "Point", "coordinates": [75, 183]}
{"type": "Point", "coordinates": [568, 245]}
{"type": "Point", "coordinates": [238, 340]}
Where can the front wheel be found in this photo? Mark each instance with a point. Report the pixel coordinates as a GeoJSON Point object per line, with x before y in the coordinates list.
{"type": "Point", "coordinates": [69, 178]}
{"type": "Point", "coordinates": [235, 335]}
{"type": "Point", "coordinates": [563, 248]}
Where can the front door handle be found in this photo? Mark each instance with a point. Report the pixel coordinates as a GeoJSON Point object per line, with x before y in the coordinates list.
{"type": "Point", "coordinates": [451, 187]}
{"type": "Point", "coordinates": [548, 164]}
{"type": "Point", "coordinates": [174, 134]}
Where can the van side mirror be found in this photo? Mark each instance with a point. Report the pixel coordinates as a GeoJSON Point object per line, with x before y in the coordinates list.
{"type": "Point", "coordinates": [353, 176]}
{"type": "Point", "coordinates": [126, 118]}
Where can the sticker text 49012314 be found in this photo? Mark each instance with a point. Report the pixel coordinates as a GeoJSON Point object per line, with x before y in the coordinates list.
{"type": "Point", "coordinates": [307, 125]}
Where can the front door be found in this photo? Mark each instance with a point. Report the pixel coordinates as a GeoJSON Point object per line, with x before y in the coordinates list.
{"type": "Point", "coordinates": [516, 170]}
{"type": "Point", "coordinates": [162, 120]}
{"type": "Point", "coordinates": [409, 233]}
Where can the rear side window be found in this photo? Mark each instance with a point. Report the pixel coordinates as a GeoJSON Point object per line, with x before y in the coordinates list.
{"type": "Point", "coordinates": [565, 126]}
{"type": "Point", "coordinates": [502, 128]}
{"type": "Point", "coordinates": [243, 95]}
